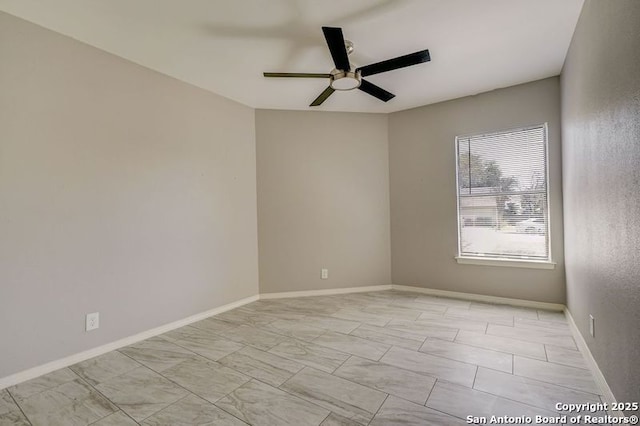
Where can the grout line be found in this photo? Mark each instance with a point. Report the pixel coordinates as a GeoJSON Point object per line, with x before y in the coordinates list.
{"type": "Point", "coordinates": [175, 342]}
{"type": "Point", "coordinates": [328, 415]}
{"type": "Point", "coordinates": [344, 362]}
{"type": "Point", "coordinates": [294, 375]}
{"type": "Point", "coordinates": [18, 405]}
{"type": "Point", "coordinates": [431, 391]}
{"type": "Point", "coordinates": [49, 388]}
{"type": "Point", "coordinates": [385, 352]}
{"type": "Point", "coordinates": [350, 332]}
{"type": "Point", "coordinates": [208, 402]}
{"type": "Point", "coordinates": [123, 412]}
{"type": "Point", "coordinates": [309, 343]}
{"type": "Point", "coordinates": [425, 342]}
{"type": "Point", "coordinates": [531, 405]}
{"type": "Point", "coordinates": [172, 404]}
{"type": "Point", "coordinates": [160, 374]}
{"type": "Point", "coordinates": [480, 347]}
{"type": "Point", "coordinates": [108, 399]}
{"type": "Point", "coordinates": [462, 362]}
{"type": "Point", "coordinates": [546, 355]}
{"type": "Point", "coordinates": [448, 414]}
{"type": "Point", "coordinates": [558, 363]}
{"type": "Point", "coordinates": [222, 408]}
{"type": "Point", "coordinates": [230, 353]}
{"type": "Point", "coordinates": [370, 387]}
{"type": "Point", "coordinates": [536, 330]}
{"type": "Point", "coordinates": [512, 400]}
{"type": "Point", "coordinates": [378, 410]}
{"type": "Point", "coordinates": [474, 377]}
{"type": "Point", "coordinates": [559, 385]}
{"type": "Point", "coordinates": [187, 390]}
{"type": "Point", "coordinates": [306, 400]}
{"type": "Point", "coordinates": [114, 413]}
{"type": "Point", "coordinates": [446, 358]}
{"type": "Point", "coordinates": [421, 342]}
{"type": "Point", "coordinates": [281, 333]}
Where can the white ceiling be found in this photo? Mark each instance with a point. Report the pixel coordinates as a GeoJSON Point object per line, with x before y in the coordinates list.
{"type": "Point", "coordinates": [225, 45]}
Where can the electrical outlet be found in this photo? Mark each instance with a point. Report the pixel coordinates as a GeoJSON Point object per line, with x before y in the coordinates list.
{"type": "Point", "coordinates": [92, 321]}
{"type": "Point", "coordinates": [592, 326]}
{"type": "Point", "coordinates": [324, 274]}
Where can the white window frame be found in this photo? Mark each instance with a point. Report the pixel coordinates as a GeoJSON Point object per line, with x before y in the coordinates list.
{"type": "Point", "coordinates": [503, 261]}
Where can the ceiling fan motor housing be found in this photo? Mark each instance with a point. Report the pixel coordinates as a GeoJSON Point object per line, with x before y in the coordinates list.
{"type": "Point", "coordinates": [345, 80]}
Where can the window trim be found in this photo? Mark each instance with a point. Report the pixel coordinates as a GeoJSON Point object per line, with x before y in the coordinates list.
{"type": "Point", "coordinates": [505, 261]}
{"type": "Point", "coordinates": [501, 261]}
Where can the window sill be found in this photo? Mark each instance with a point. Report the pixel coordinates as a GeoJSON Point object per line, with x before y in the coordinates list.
{"type": "Point", "coordinates": [513, 263]}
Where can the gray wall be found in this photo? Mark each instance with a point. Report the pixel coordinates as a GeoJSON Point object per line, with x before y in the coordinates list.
{"type": "Point", "coordinates": [423, 191]}
{"type": "Point", "coordinates": [121, 191]}
{"type": "Point", "coordinates": [323, 200]}
{"type": "Point", "coordinates": [601, 174]}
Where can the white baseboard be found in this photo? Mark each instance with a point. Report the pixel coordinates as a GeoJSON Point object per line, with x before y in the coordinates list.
{"type": "Point", "coordinates": [482, 298]}
{"type": "Point", "coordinates": [605, 390]}
{"type": "Point", "coordinates": [49, 367]}
{"type": "Point", "coordinates": [326, 292]}
{"type": "Point", "coordinates": [434, 292]}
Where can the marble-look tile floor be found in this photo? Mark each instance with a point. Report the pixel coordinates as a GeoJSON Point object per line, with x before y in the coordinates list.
{"type": "Point", "coordinates": [377, 358]}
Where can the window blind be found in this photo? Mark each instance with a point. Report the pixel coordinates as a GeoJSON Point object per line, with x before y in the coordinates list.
{"type": "Point", "coordinates": [502, 194]}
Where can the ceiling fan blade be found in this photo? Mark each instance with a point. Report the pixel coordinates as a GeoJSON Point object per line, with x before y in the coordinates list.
{"type": "Point", "coordinates": [296, 74]}
{"type": "Point", "coordinates": [395, 63]}
{"type": "Point", "coordinates": [323, 96]}
{"type": "Point", "coordinates": [335, 41]}
{"type": "Point", "coordinates": [375, 91]}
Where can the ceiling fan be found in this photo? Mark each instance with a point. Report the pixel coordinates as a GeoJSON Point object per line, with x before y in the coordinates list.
{"type": "Point", "coordinates": [345, 77]}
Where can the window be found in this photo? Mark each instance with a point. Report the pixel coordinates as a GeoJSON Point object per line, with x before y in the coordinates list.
{"type": "Point", "coordinates": [503, 212]}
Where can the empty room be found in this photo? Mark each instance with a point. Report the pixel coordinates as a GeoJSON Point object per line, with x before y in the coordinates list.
{"type": "Point", "coordinates": [295, 212]}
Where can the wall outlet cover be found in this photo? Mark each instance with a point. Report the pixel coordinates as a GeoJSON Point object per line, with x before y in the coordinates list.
{"type": "Point", "coordinates": [324, 274]}
{"type": "Point", "coordinates": [92, 321]}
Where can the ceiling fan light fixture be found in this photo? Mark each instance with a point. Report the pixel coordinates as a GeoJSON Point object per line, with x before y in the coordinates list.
{"type": "Point", "coordinates": [345, 76]}
{"type": "Point", "coordinates": [345, 80]}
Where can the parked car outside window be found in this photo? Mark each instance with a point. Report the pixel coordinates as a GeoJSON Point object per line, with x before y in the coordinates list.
{"type": "Point", "coordinates": [531, 226]}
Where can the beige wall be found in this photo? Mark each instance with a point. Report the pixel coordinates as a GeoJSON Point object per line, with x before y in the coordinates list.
{"type": "Point", "coordinates": [121, 191]}
{"type": "Point", "coordinates": [423, 191]}
{"type": "Point", "coordinates": [323, 200]}
{"type": "Point", "coordinates": [601, 173]}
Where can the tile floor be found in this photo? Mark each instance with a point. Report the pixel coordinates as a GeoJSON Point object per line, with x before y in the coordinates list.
{"type": "Point", "coordinates": [379, 358]}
